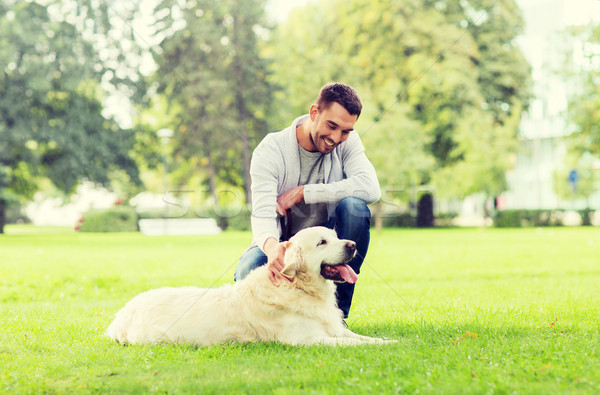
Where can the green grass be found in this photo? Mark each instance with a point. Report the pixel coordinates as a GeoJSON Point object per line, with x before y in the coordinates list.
{"type": "Point", "coordinates": [473, 310]}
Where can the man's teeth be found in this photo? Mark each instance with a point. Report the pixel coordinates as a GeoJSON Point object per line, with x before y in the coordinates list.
{"type": "Point", "coordinates": [329, 143]}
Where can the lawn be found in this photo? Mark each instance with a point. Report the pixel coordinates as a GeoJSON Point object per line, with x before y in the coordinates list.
{"type": "Point", "coordinates": [473, 310]}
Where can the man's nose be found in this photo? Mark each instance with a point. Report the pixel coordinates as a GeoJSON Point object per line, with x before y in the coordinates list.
{"type": "Point", "coordinates": [336, 136]}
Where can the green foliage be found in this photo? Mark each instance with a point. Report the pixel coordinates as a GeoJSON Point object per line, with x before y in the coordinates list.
{"type": "Point", "coordinates": [443, 84]}
{"type": "Point", "coordinates": [473, 310]}
{"type": "Point", "coordinates": [525, 218]}
{"type": "Point", "coordinates": [398, 220]}
{"type": "Point", "coordinates": [583, 143]}
{"type": "Point", "coordinates": [585, 100]}
{"type": "Point", "coordinates": [51, 113]}
{"type": "Point", "coordinates": [586, 216]}
{"type": "Point", "coordinates": [583, 163]}
{"type": "Point", "coordinates": [407, 220]}
{"type": "Point", "coordinates": [213, 82]}
{"type": "Point", "coordinates": [115, 219]}
{"type": "Point", "coordinates": [234, 219]}
{"type": "Point", "coordinates": [529, 218]}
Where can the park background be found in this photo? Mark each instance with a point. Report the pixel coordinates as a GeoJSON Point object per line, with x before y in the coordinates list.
{"type": "Point", "coordinates": [476, 113]}
{"type": "Point", "coordinates": [474, 110]}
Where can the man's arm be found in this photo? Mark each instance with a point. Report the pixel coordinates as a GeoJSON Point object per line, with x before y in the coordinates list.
{"type": "Point", "coordinates": [360, 178]}
{"type": "Point", "coordinates": [289, 199]}
{"type": "Point", "coordinates": [264, 172]}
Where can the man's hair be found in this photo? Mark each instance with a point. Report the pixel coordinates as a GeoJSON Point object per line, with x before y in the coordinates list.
{"type": "Point", "coordinates": [340, 93]}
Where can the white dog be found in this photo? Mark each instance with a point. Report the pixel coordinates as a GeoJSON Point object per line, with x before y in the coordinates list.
{"type": "Point", "coordinates": [300, 312]}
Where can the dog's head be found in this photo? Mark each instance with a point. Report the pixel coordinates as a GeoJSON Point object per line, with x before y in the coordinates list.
{"type": "Point", "coordinates": [318, 250]}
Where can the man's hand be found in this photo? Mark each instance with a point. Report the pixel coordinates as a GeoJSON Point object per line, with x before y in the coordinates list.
{"type": "Point", "coordinates": [289, 199]}
{"type": "Point", "coordinates": [275, 252]}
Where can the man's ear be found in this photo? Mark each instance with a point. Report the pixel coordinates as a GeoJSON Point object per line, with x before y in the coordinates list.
{"type": "Point", "coordinates": [314, 109]}
{"type": "Point", "coordinates": [292, 260]}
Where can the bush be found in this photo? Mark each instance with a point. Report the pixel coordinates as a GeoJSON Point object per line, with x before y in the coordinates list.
{"type": "Point", "coordinates": [525, 218]}
{"type": "Point", "coordinates": [116, 219]}
{"type": "Point", "coordinates": [234, 219]}
{"type": "Point", "coordinates": [586, 217]}
{"type": "Point", "coordinates": [445, 220]}
{"type": "Point", "coordinates": [507, 219]}
{"type": "Point", "coordinates": [397, 220]}
{"type": "Point", "coordinates": [227, 218]}
{"type": "Point", "coordinates": [14, 213]}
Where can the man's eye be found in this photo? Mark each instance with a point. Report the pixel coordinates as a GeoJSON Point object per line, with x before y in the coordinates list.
{"type": "Point", "coordinates": [322, 242]}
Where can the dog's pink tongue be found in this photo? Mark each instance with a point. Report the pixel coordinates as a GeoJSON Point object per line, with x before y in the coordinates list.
{"type": "Point", "coordinates": [348, 274]}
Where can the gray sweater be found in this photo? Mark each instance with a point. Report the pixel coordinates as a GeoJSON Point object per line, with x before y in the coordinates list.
{"type": "Point", "coordinates": [275, 169]}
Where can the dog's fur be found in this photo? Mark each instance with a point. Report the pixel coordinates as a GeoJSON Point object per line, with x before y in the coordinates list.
{"type": "Point", "coordinates": [300, 312]}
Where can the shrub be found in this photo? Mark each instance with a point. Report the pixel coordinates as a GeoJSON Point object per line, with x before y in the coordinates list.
{"type": "Point", "coordinates": [586, 217]}
{"type": "Point", "coordinates": [508, 219]}
{"type": "Point", "coordinates": [115, 219]}
{"type": "Point", "coordinates": [525, 218]}
{"type": "Point", "coordinates": [445, 220]}
{"type": "Point", "coordinates": [397, 220]}
{"type": "Point", "coordinates": [233, 219]}
{"type": "Point", "coordinates": [14, 213]}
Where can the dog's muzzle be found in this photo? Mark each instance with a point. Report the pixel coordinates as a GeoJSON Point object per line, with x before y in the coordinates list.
{"type": "Point", "coordinates": [341, 272]}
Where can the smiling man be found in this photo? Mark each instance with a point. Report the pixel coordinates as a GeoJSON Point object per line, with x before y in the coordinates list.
{"type": "Point", "coordinates": [313, 173]}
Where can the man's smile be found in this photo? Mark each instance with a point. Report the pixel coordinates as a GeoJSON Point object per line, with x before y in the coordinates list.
{"type": "Point", "coordinates": [329, 142]}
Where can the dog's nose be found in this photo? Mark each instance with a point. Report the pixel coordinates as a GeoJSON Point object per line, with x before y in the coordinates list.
{"type": "Point", "coordinates": [350, 247]}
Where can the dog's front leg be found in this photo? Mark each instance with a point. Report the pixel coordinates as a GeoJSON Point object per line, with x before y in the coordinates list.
{"type": "Point", "coordinates": [338, 341]}
{"type": "Point", "coordinates": [366, 339]}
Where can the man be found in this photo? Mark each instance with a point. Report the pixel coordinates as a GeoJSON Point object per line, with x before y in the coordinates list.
{"type": "Point", "coordinates": [314, 172]}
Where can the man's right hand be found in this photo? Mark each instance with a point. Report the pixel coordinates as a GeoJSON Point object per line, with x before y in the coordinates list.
{"type": "Point", "coordinates": [289, 199]}
{"type": "Point", "coordinates": [275, 252]}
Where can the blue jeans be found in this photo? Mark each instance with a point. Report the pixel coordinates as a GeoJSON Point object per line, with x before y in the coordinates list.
{"type": "Point", "coordinates": [352, 221]}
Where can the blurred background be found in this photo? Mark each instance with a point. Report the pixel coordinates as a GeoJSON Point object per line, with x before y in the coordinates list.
{"type": "Point", "coordinates": [476, 112]}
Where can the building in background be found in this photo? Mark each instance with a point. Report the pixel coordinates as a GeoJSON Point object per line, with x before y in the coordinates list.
{"type": "Point", "coordinates": [545, 124]}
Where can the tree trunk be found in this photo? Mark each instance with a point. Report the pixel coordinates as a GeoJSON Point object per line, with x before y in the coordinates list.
{"type": "Point", "coordinates": [246, 154]}
{"type": "Point", "coordinates": [247, 157]}
{"type": "Point", "coordinates": [241, 86]}
{"type": "Point", "coordinates": [2, 215]}
{"type": "Point", "coordinates": [212, 180]}
{"type": "Point", "coordinates": [378, 217]}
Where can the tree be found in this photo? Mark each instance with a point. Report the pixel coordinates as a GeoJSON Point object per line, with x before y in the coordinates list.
{"type": "Point", "coordinates": [438, 78]}
{"type": "Point", "coordinates": [575, 180]}
{"type": "Point", "coordinates": [503, 74]}
{"type": "Point", "coordinates": [51, 122]}
{"type": "Point", "coordinates": [487, 151]}
{"type": "Point", "coordinates": [215, 83]}
{"type": "Point", "coordinates": [584, 103]}
{"type": "Point", "coordinates": [577, 177]}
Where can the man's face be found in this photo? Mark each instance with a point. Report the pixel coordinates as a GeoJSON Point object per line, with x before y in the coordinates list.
{"type": "Point", "coordinates": [330, 127]}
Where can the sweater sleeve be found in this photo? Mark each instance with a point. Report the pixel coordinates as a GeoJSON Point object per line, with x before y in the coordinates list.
{"type": "Point", "coordinates": [264, 174]}
{"type": "Point", "coordinates": [359, 177]}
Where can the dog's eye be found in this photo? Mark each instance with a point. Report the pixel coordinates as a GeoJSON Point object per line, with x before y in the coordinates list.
{"type": "Point", "coordinates": [322, 242]}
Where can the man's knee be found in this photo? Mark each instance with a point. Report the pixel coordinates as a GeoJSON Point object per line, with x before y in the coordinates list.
{"type": "Point", "coordinates": [252, 259]}
{"type": "Point", "coordinates": [355, 208]}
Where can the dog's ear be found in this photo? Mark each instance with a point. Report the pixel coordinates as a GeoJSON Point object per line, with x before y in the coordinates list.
{"type": "Point", "coordinates": [292, 260]}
